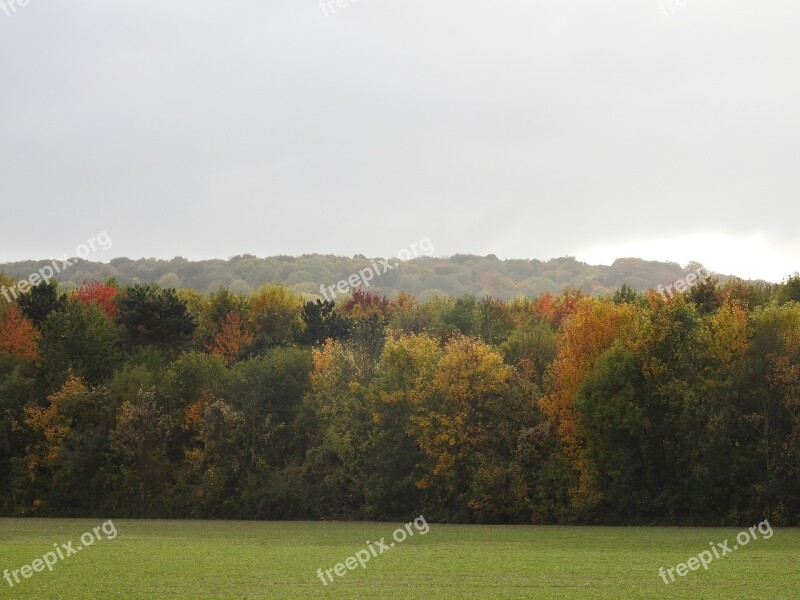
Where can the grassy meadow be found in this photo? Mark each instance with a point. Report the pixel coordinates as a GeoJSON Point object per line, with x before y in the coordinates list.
{"type": "Point", "coordinates": [225, 560]}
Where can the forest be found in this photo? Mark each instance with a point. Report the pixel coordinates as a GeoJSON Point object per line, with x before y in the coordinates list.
{"type": "Point", "coordinates": [424, 277]}
{"type": "Point", "coordinates": [627, 407]}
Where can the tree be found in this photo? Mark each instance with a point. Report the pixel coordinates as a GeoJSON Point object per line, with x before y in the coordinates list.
{"type": "Point", "coordinates": [451, 421]}
{"type": "Point", "coordinates": [494, 321]}
{"type": "Point", "coordinates": [771, 371]}
{"type": "Point", "coordinates": [789, 290]}
{"type": "Point", "coordinates": [617, 428]}
{"type": "Point", "coordinates": [189, 377]}
{"type": "Point", "coordinates": [684, 405]}
{"type": "Point", "coordinates": [463, 315]}
{"type": "Point", "coordinates": [628, 295]}
{"type": "Point", "coordinates": [80, 338]}
{"type": "Point", "coordinates": [42, 300]}
{"type": "Point", "coordinates": [268, 391]}
{"type": "Point", "coordinates": [53, 424]}
{"type": "Point", "coordinates": [212, 311]}
{"type": "Point", "coordinates": [394, 459]}
{"type": "Point", "coordinates": [274, 315]}
{"type": "Point", "coordinates": [335, 463]}
{"type": "Point", "coordinates": [214, 459]}
{"type": "Point", "coordinates": [66, 455]}
{"type": "Point", "coordinates": [102, 294]}
{"type": "Point", "coordinates": [591, 330]}
{"type": "Point", "coordinates": [322, 323]}
{"type": "Point", "coordinates": [232, 338]}
{"type": "Point", "coordinates": [154, 316]}
{"type": "Point", "coordinates": [785, 379]}
{"type": "Point", "coordinates": [705, 296]}
{"type": "Point", "coordinates": [139, 445]}
{"type": "Point", "coordinates": [531, 349]}
{"type": "Point", "coordinates": [555, 309]}
{"type": "Point", "coordinates": [18, 336]}
{"type": "Point", "coordinates": [363, 305]}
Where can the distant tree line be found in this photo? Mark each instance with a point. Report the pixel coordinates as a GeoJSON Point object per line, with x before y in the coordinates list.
{"type": "Point", "coordinates": [424, 277]}
{"type": "Point", "coordinates": [628, 408]}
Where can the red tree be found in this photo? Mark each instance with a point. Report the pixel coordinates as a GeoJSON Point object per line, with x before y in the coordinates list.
{"type": "Point", "coordinates": [101, 294]}
{"type": "Point", "coordinates": [18, 335]}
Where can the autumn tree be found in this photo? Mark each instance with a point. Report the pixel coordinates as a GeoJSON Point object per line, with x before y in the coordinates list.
{"type": "Point", "coordinates": [139, 445]}
{"type": "Point", "coordinates": [65, 458]}
{"type": "Point", "coordinates": [274, 316]}
{"type": "Point", "coordinates": [102, 294]}
{"type": "Point", "coordinates": [335, 463]}
{"type": "Point", "coordinates": [232, 339]}
{"type": "Point", "coordinates": [19, 337]}
{"type": "Point", "coordinates": [452, 422]}
{"type": "Point", "coordinates": [214, 458]}
{"type": "Point", "coordinates": [591, 330]}
{"type": "Point", "coordinates": [362, 305]}
{"type": "Point", "coordinates": [395, 460]}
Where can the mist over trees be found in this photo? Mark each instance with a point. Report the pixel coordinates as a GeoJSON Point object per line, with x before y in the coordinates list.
{"type": "Point", "coordinates": [424, 277]}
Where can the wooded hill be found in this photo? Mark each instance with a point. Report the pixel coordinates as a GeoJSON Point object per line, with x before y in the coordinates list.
{"type": "Point", "coordinates": [423, 277]}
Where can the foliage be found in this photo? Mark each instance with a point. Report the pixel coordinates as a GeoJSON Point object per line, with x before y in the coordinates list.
{"type": "Point", "coordinates": [18, 335]}
{"type": "Point", "coordinates": [627, 409]}
{"type": "Point", "coordinates": [154, 316]}
{"type": "Point", "coordinates": [42, 300]}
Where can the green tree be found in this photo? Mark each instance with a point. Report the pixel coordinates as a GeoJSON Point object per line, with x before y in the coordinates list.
{"type": "Point", "coordinates": [268, 391]}
{"type": "Point", "coordinates": [42, 300]}
{"type": "Point", "coordinates": [616, 425]}
{"type": "Point", "coordinates": [705, 295]}
{"type": "Point", "coordinates": [322, 323]}
{"type": "Point", "coordinates": [463, 315]}
{"type": "Point", "coordinates": [81, 338]}
{"type": "Point", "coordinates": [154, 316]}
{"type": "Point", "coordinates": [789, 290]}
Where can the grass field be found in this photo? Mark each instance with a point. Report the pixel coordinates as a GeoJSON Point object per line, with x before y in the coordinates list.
{"type": "Point", "coordinates": [214, 559]}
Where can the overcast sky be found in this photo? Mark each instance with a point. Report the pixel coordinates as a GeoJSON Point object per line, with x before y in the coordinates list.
{"type": "Point", "coordinates": [522, 128]}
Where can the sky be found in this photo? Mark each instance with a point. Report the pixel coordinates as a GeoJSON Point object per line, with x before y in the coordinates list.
{"type": "Point", "coordinates": [661, 129]}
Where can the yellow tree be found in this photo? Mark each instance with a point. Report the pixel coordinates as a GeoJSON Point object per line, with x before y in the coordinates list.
{"type": "Point", "coordinates": [403, 381]}
{"type": "Point", "coordinates": [585, 335]}
{"type": "Point", "coordinates": [52, 424]}
{"type": "Point", "coordinates": [727, 334]}
{"type": "Point", "coordinates": [275, 315]}
{"type": "Point", "coordinates": [451, 417]}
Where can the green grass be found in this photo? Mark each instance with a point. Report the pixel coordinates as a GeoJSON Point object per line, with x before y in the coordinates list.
{"type": "Point", "coordinates": [213, 559]}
